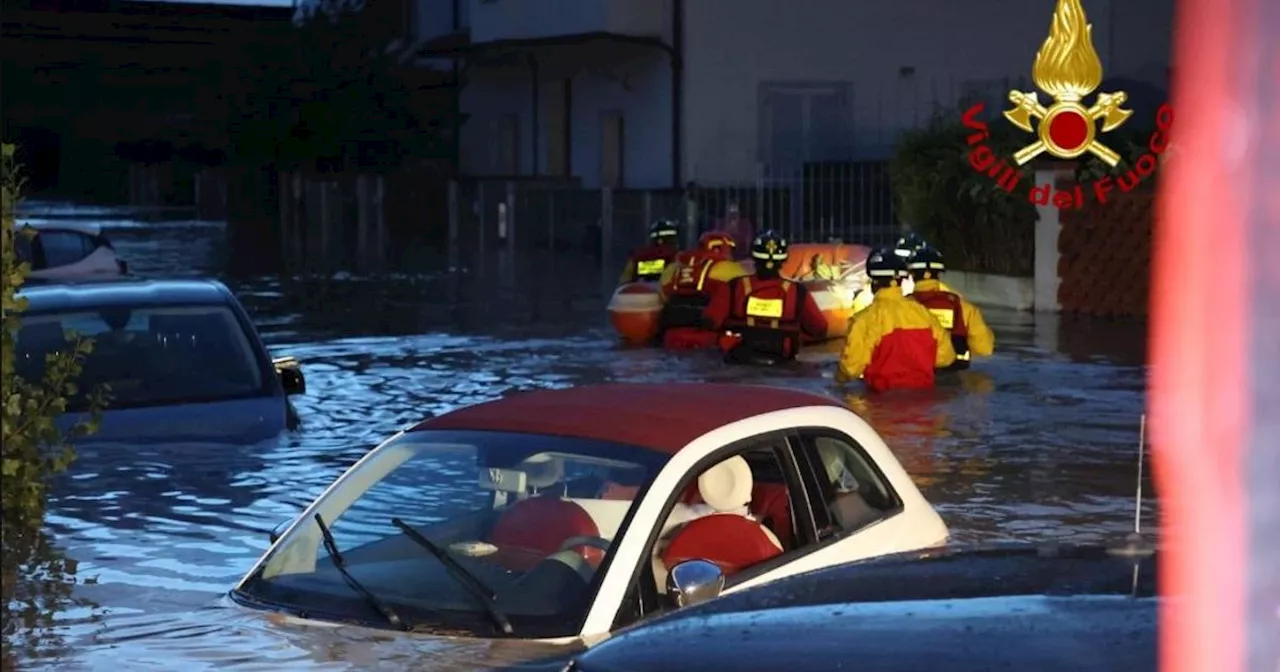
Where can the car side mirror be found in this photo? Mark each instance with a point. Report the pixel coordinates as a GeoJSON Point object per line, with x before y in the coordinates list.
{"type": "Point", "coordinates": [278, 530]}
{"type": "Point", "coordinates": [694, 582]}
{"type": "Point", "coordinates": [291, 377]}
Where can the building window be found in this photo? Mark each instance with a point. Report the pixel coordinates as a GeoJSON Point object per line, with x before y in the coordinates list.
{"type": "Point", "coordinates": [801, 122]}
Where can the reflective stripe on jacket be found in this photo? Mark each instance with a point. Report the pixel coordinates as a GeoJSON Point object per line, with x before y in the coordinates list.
{"type": "Point", "coordinates": [971, 332]}
{"type": "Point", "coordinates": [647, 264]}
{"type": "Point", "coordinates": [770, 314]}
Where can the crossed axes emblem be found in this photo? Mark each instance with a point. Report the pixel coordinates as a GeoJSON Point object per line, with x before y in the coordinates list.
{"type": "Point", "coordinates": [1027, 107]}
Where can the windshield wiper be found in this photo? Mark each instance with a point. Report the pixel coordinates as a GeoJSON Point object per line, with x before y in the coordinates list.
{"type": "Point", "coordinates": [464, 576]}
{"type": "Point", "coordinates": [381, 607]}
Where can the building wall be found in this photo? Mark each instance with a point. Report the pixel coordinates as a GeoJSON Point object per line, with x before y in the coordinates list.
{"type": "Point", "coordinates": [868, 70]}
{"type": "Point", "coordinates": [605, 77]}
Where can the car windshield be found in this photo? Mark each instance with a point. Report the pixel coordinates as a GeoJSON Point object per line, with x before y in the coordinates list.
{"type": "Point", "coordinates": [149, 355]}
{"type": "Point", "coordinates": [532, 518]}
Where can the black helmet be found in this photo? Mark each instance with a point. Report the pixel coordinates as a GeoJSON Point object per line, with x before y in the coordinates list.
{"type": "Point", "coordinates": [926, 259]}
{"type": "Point", "coordinates": [884, 264]}
{"type": "Point", "coordinates": [907, 245]}
{"type": "Point", "coordinates": [770, 246]}
{"type": "Point", "coordinates": [664, 228]}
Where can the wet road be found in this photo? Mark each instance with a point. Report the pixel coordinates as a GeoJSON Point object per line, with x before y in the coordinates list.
{"type": "Point", "coordinates": [1038, 443]}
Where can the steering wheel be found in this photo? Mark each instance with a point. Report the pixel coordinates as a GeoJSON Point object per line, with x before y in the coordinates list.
{"type": "Point", "coordinates": [585, 540]}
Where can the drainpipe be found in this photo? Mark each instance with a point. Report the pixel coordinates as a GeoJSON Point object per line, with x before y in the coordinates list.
{"type": "Point", "coordinates": [677, 93]}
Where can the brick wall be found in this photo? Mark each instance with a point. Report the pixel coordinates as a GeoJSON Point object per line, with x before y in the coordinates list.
{"type": "Point", "coordinates": [1105, 256]}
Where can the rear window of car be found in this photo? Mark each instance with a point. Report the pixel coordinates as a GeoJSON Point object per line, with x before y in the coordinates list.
{"type": "Point", "coordinates": [150, 355]}
{"type": "Point", "coordinates": [54, 248]}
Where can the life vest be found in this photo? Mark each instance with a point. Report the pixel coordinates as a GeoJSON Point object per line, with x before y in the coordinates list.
{"type": "Point", "coordinates": [692, 274]}
{"type": "Point", "coordinates": [949, 311]}
{"type": "Point", "coordinates": [765, 315]}
{"type": "Point", "coordinates": [650, 262]}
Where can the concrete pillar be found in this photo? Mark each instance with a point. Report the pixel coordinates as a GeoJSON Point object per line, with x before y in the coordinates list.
{"type": "Point", "coordinates": [1048, 227]}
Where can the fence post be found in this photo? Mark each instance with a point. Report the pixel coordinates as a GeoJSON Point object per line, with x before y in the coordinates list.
{"type": "Point", "coordinates": [363, 239]}
{"type": "Point", "coordinates": [324, 223]}
{"type": "Point", "coordinates": [285, 180]}
{"type": "Point", "coordinates": [551, 222]}
{"type": "Point", "coordinates": [511, 215]}
{"type": "Point", "coordinates": [606, 225]}
{"type": "Point", "coordinates": [380, 218]}
{"type": "Point", "coordinates": [690, 220]}
{"type": "Point", "coordinates": [647, 207]}
{"type": "Point", "coordinates": [453, 212]}
{"type": "Point", "coordinates": [481, 209]}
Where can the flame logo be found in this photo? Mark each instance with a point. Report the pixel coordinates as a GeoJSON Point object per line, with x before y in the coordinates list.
{"type": "Point", "coordinates": [1067, 68]}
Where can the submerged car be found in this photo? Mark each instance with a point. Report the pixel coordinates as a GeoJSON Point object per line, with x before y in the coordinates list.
{"type": "Point", "coordinates": [557, 515]}
{"type": "Point", "coordinates": [67, 250]}
{"type": "Point", "coordinates": [1052, 609]}
{"type": "Point", "coordinates": [180, 359]}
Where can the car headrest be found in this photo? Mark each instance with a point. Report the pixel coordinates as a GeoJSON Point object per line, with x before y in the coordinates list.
{"type": "Point", "coordinates": [727, 486]}
{"type": "Point", "coordinates": [543, 471]}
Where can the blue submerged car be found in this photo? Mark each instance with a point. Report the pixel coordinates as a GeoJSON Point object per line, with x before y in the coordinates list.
{"type": "Point", "coordinates": [181, 359]}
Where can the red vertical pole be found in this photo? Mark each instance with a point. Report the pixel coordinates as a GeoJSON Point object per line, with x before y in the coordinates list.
{"type": "Point", "coordinates": [1205, 370]}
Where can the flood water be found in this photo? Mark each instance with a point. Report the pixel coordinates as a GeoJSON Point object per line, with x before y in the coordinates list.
{"type": "Point", "coordinates": [1038, 443]}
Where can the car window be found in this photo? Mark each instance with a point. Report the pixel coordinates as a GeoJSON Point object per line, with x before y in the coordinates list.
{"type": "Point", "coordinates": [150, 355]}
{"type": "Point", "coordinates": [62, 248]}
{"type": "Point", "coordinates": [849, 493]}
{"type": "Point", "coordinates": [528, 515]}
{"type": "Point", "coordinates": [737, 512]}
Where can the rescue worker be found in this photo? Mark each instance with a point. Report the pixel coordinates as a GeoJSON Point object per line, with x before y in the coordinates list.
{"type": "Point", "coordinates": [762, 316]}
{"type": "Point", "coordinates": [647, 263]}
{"type": "Point", "coordinates": [970, 334]}
{"type": "Point", "coordinates": [687, 287]}
{"type": "Point", "coordinates": [895, 343]}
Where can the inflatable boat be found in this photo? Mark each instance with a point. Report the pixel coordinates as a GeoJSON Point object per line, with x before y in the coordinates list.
{"type": "Point", "coordinates": [832, 272]}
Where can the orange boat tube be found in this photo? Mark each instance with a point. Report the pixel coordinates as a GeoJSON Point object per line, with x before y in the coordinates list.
{"type": "Point", "coordinates": [832, 272]}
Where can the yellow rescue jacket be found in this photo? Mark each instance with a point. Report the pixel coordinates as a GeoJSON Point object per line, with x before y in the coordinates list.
{"type": "Point", "coordinates": [981, 340]}
{"type": "Point", "coordinates": [890, 312]}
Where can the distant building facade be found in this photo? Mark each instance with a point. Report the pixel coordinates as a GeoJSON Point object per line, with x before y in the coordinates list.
{"type": "Point", "coordinates": [658, 93]}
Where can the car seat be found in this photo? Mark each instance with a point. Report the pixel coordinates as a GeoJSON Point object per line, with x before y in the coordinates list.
{"type": "Point", "coordinates": [771, 505]}
{"type": "Point", "coordinates": [727, 538]}
{"type": "Point", "coordinates": [534, 528]}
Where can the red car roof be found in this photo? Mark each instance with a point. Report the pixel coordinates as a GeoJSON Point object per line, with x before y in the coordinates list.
{"type": "Point", "coordinates": [664, 417]}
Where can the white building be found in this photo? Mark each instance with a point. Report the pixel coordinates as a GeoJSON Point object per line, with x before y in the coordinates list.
{"type": "Point", "coordinates": [656, 93]}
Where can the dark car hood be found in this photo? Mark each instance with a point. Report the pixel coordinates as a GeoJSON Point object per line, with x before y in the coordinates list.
{"type": "Point", "coordinates": [1065, 608]}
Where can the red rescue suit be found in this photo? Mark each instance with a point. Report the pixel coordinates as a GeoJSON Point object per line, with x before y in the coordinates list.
{"type": "Point", "coordinates": [647, 263]}
{"type": "Point", "coordinates": [948, 308]}
{"type": "Point", "coordinates": [688, 293]}
{"type": "Point", "coordinates": [762, 319]}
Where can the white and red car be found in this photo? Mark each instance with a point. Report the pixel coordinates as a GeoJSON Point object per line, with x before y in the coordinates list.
{"type": "Point", "coordinates": [63, 250]}
{"type": "Point", "coordinates": [557, 515]}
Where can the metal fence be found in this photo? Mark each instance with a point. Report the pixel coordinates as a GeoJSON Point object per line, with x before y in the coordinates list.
{"type": "Point", "coordinates": [847, 201]}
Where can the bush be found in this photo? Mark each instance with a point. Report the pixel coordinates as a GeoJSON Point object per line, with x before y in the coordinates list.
{"type": "Point", "coordinates": [37, 578]}
{"type": "Point", "coordinates": [936, 192]}
{"type": "Point", "coordinates": [329, 95]}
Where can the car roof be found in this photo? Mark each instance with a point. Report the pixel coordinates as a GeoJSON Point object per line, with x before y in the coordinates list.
{"type": "Point", "coordinates": [87, 228]}
{"type": "Point", "coordinates": [97, 292]}
{"type": "Point", "coordinates": [664, 417]}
